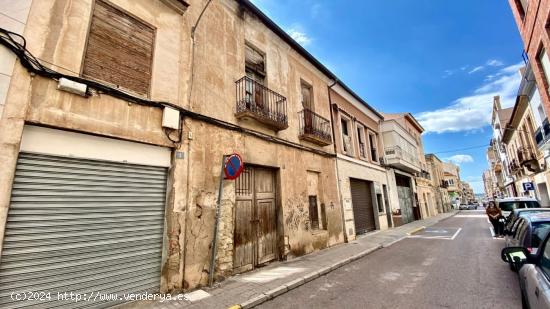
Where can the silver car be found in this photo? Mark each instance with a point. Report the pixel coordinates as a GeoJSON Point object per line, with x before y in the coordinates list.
{"type": "Point", "coordinates": [534, 274]}
{"type": "Point", "coordinates": [529, 231]}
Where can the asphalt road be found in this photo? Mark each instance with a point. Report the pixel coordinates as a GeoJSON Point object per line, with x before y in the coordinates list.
{"type": "Point", "coordinates": [431, 270]}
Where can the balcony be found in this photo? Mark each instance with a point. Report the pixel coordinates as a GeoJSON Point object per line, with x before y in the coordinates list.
{"type": "Point", "coordinates": [542, 135]}
{"type": "Point", "coordinates": [260, 103]}
{"type": "Point", "coordinates": [314, 128]}
{"type": "Point", "coordinates": [444, 184]}
{"type": "Point", "coordinates": [397, 157]}
{"type": "Point", "coordinates": [525, 154]}
{"type": "Point", "coordinates": [514, 166]}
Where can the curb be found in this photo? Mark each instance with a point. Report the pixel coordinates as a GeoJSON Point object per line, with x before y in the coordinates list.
{"type": "Point", "coordinates": [250, 303]}
{"type": "Point", "coordinates": [304, 279]}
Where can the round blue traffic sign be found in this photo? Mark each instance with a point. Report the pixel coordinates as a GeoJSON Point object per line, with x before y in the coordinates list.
{"type": "Point", "coordinates": [233, 166]}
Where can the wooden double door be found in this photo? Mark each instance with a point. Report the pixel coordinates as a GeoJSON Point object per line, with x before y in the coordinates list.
{"type": "Point", "coordinates": [255, 234]}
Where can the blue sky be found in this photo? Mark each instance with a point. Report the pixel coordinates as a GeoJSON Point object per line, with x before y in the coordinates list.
{"type": "Point", "coordinates": [443, 61]}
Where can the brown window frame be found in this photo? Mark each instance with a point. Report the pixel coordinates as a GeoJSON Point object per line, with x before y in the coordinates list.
{"type": "Point", "coordinates": [138, 20]}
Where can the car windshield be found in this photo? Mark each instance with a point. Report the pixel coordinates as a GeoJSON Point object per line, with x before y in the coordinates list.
{"type": "Point", "coordinates": [540, 230]}
{"type": "Point", "coordinates": [509, 206]}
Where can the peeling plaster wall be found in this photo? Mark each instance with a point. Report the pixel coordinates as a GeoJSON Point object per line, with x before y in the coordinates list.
{"type": "Point", "coordinates": [56, 33]}
{"type": "Point", "coordinates": [208, 146]}
{"type": "Point", "coordinates": [218, 64]}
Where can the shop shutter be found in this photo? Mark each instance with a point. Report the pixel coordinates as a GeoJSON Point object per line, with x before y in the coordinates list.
{"type": "Point", "coordinates": [82, 226]}
{"type": "Point", "coordinates": [363, 211]}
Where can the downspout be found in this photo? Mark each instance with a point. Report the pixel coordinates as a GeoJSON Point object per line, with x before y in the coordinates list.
{"type": "Point", "coordinates": [189, 139]}
{"type": "Point", "coordinates": [336, 160]}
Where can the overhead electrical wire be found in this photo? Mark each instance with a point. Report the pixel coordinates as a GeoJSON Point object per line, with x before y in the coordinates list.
{"type": "Point", "coordinates": [17, 44]}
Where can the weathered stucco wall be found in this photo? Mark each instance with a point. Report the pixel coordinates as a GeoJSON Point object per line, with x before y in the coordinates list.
{"type": "Point", "coordinates": [57, 33]}
{"type": "Point", "coordinates": [292, 165]}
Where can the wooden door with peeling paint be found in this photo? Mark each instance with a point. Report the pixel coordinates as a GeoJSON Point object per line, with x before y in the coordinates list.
{"type": "Point", "coordinates": [255, 235]}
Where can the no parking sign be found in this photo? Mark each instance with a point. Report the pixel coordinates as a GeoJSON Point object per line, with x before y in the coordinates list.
{"type": "Point", "coordinates": [233, 166]}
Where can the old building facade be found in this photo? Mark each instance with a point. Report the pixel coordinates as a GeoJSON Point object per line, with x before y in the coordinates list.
{"type": "Point", "coordinates": [401, 135]}
{"type": "Point", "coordinates": [362, 178]}
{"type": "Point", "coordinates": [134, 164]}
{"type": "Point", "coordinates": [438, 184]}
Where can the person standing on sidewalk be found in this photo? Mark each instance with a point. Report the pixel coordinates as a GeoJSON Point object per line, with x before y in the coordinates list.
{"type": "Point", "coordinates": [494, 213]}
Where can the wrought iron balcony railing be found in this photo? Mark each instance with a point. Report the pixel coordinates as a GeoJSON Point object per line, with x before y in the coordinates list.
{"type": "Point", "coordinates": [256, 101]}
{"type": "Point", "coordinates": [525, 154]}
{"type": "Point", "coordinates": [314, 128]}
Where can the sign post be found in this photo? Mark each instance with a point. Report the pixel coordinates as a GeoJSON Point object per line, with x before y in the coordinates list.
{"type": "Point", "coordinates": [232, 166]}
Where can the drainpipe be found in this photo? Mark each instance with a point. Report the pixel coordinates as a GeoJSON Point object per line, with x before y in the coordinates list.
{"type": "Point", "coordinates": [336, 165]}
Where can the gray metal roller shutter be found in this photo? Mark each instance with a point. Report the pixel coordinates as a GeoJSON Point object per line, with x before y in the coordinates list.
{"type": "Point", "coordinates": [363, 211]}
{"type": "Point", "coordinates": [82, 226]}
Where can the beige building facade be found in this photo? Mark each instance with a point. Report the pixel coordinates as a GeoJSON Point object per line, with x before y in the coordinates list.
{"type": "Point", "coordinates": [401, 136]}
{"type": "Point", "coordinates": [134, 165]}
{"type": "Point", "coordinates": [451, 176]}
{"type": "Point", "coordinates": [439, 187]}
{"type": "Point", "coordinates": [362, 178]}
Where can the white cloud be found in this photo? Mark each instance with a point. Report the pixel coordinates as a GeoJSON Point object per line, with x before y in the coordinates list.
{"type": "Point", "coordinates": [494, 63]}
{"type": "Point", "coordinates": [473, 112]}
{"type": "Point", "coordinates": [299, 36]}
{"type": "Point", "coordinates": [464, 68]}
{"type": "Point", "coordinates": [448, 73]}
{"type": "Point", "coordinates": [478, 68]}
{"type": "Point", "coordinates": [460, 158]}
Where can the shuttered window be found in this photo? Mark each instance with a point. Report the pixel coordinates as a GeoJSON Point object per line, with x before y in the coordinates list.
{"type": "Point", "coordinates": [307, 100]}
{"type": "Point", "coordinates": [255, 64]}
{"type": "Point", "coordinates": [119, 50]}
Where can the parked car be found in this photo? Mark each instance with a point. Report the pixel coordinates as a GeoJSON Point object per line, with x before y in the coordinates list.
{"type": "Point", "coordinates": [528, 231]}
{"type": "Point", "coordinates": [534, 273]}
{"type": "Point", "coordinates": [516, 213]}
{"type": "Point", "coordinates": [510, 203]}
{"type": "Point", "coordinates": [472, 207]}
{"type": "Point", "coordinates": [463, 207]}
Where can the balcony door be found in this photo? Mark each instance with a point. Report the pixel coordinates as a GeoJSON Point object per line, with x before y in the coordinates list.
{"type": "Point", "coordinates": [255, 71]}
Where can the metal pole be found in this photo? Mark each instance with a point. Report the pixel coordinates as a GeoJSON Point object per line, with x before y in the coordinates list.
{"type": "Point", "coordinates": [215, 238]}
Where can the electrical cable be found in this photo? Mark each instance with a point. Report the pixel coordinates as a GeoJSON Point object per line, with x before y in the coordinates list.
{"type": "Point", "coordinates": [33, 65]}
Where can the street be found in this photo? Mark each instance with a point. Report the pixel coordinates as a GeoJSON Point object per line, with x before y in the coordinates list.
{"type": "Point", "coordinates": [419, 272]}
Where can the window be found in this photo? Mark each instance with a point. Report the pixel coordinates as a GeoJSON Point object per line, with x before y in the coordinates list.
{"type": "Point", "coordinates": [361, 141]}
{"type": "Point", "coordinates": [313, 212]}
{"type": "Point", "coordinates": [254, 64]}
{"type": "Point", "coordinates": [544, 63]}
{"type": "Point", "coordinates": [373, 151]}
{"type": "Point", "coordinates": [346, 136]}
{"type": "Point", "coordinates": [307, 96]}
{"type": "Point", "coordinates": [522, 7]}
{"type": "Point", "coordinates": [545, 260]}
{"type": "Point", "coordinates": [119, 49]}
{"type": "Point", "coordinates": [380, 203]}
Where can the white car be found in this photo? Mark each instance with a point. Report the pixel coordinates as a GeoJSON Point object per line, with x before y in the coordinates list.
{"type": "Point", "coordinates": [510, 203]}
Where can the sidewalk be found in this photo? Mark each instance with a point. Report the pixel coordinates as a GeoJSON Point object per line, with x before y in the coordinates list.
{"type": "Point", "coordinates": [255, 287]}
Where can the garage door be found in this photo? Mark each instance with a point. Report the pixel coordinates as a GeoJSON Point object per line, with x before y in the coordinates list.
{"type": "Point", "coordinates": [363, 211]}
{"type": "Point", "coordinates": [82, 226]}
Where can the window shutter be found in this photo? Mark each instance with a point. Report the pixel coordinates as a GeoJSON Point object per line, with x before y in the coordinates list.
{"type": "Point", "coordinates": [306, 96]}
{"type": "Point", "coordinates": [254, 60]}
{"type": "Point", "coordinates": [119, 50]}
